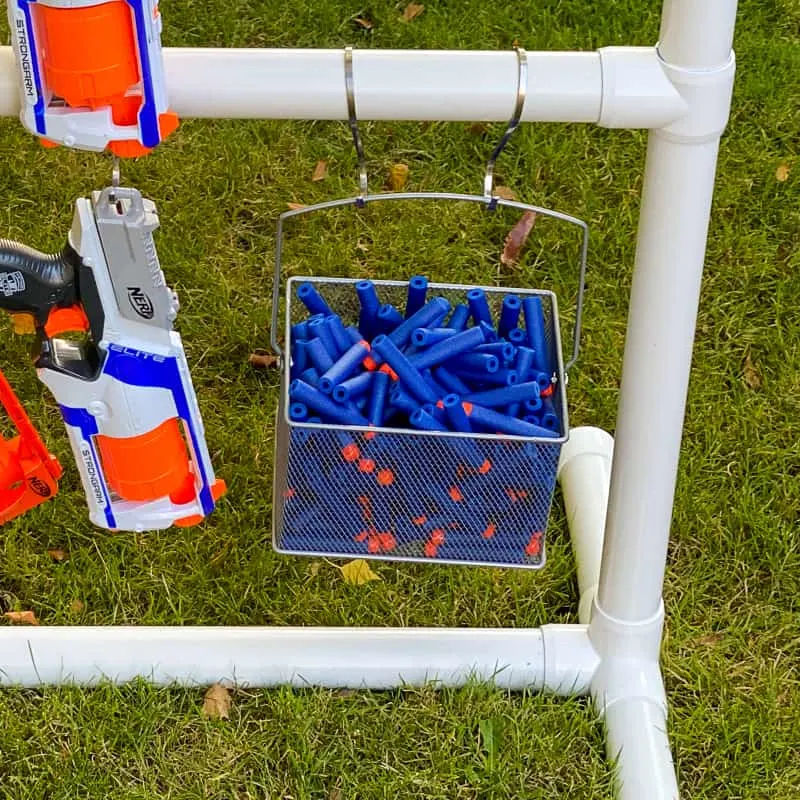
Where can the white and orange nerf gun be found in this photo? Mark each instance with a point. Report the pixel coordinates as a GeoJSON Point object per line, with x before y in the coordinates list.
{"type": "Point", "coordinates": [123, 387]}
{"type": "Point", "coordinates": [92, 73]}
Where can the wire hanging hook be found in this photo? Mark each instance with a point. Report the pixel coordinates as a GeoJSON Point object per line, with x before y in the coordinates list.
{"type": "Point", "coordinates": [522, 88]}
{"type": "Point", "coordinates": [353, 119]}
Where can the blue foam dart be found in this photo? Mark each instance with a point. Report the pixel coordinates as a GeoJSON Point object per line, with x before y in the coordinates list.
{"type": "Point", "coordinates": [318, 328]}
{"type": "Point", "coordinates": [509, 314]}
{"type": "Point", "coordinates": [479, 307]}
{"type": "Point", "coordinates": [425, 337]}
{"type": "Point", "coordinates": [417, 292]}
{"type": "Point", "coordinates": [310, 376]}
{"type": "Point", "coordinates": [423, 421]}
{"type": "Point", "coordinates": [429, 316]}
{"type": "Point", "coordinates": [474, 362]}
{"type": "Point", "coordinates": [340, 334]}
{"type": "Point", "coordinates": [523, 368]}
{"type": "Point", "coordinates": [320, 357]}
{"type": "Point", "coordinates": [400, 399]}
{"type": "Point", "coordinates": [534, 327]}
{"type": "Point", "coordinates": [459, 421]}
{"type": "Point", "coordinates": [409, 376]}
{"type": "Point", "coordinates": [503, 377]}
{"type": "Point", "coordinates": [377, 399]}
{"type": "Point", "coordinates": [300, 331]}
{"type": "Point", "coordinates": [370, 305]}
{"type": "Point", "coordinates": [505, 351]}
{"type": "Point", "coordinates": [517, 337]}
{"type": "Point", "coordinates": [459, 318]}
{"type": "Point", "coordinates": [437, 412]}
{"type": "Point", "coordinates": [450, 381]}
{"type": "Point", "coordinates": [550, 419]}
{"type": "Point", "coordinates": [308, 295]}
{"type": "Point", "coordinates": [345, 367]}
{"type": "Point", "coordinates": [520, 392]}
{"type": "Point", "coordinates": [494, 422]}
{"type": "Point", "coordinates": [388, 318]}
{"type": "Point", "coordinates": [353, 387]}
{"type": "Point", "coordinates": [299, 358]}
{"type": "Point", "coordinates": [354, 334]}
{"type": "Point", "coordinates": [449, 348]}
{"type": "Point", "coordinates": [298, 412]}
{"type": "Point", "coordinates": [437, 387]}
{"type": "Point", "coordinates": [301, 392]}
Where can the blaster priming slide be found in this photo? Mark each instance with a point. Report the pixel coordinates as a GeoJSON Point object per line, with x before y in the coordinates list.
{"type": "Point", "coordinates": [124, 388]}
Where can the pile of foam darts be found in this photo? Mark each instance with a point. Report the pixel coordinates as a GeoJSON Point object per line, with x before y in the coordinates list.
{"type": "Point", "coordinates": [434, 368]}
{"type": "Point", "coordinates": [429, 368]}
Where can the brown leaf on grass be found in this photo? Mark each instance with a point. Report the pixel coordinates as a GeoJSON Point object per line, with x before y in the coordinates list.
{"type": "Point", "coordinates": [295, 206]}
{"type": "Point", "coordinates": [710, 639]}
{"type": "Point", "coordinates": [77, 606]}
{"type": "Point", "coordinates": [58, 555]}
{"type": "Point", "coordinates": [478, 128]}
{"type": "Point", "coordinates": [217, 702]}
{"type": "Point", "coordinates": [398, 175]}
{"type": "Point", "coordinates": [516, 239]}
{"type": "Point", "coordinates": [752, 375]}
{"type": "Point", "coordinates": [22, 617]}
{"type": "Point", "coordinates": [505, 193]}
{"type": "Point", "coordinates": [263, 360]}
{"type": "Point", "coordinates": [365, 23]}
{"type": "Point", "coordinates": [413, 10]}
{"type": "Point", "coordinates": [358, 572]}
{"type": "Point", "coordinates": [320, 171]}
{"type": "Point", "coordinates": [782, 173]}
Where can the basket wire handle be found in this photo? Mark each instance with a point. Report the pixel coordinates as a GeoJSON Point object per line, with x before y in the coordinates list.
{"type": "Point", "coordinates": [350, 89]}
{"type": "Point", "coordinates": [513, 124]}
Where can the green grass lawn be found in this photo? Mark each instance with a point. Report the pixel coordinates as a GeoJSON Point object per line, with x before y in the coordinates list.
{"type": "Point", "coordinates": [732, 646]}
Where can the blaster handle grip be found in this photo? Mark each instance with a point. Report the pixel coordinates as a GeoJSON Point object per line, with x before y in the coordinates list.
{"type": "Point", "coordinates": [34, 282]}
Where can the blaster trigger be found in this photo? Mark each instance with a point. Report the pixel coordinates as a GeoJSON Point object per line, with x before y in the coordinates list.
{"type": "Point", "coordinates": [66, 320]}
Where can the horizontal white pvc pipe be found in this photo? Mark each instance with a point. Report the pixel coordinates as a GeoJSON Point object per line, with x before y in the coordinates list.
{"type": "Point", "coordinates": [636, 738]}
{"type": "Point", "coordinates": [627, 87]}
{"type": "Point", "coordinates": [584, 472]}
{"type": "Point", "coordinates": [378, 658]}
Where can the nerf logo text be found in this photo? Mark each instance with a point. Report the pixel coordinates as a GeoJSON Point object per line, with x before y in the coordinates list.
{"type": "Point", "coordinates": [25, 65]}
{"type": "Point", "coordinates": [131, 351]}
{"type": "Point", "coordinates": [91, 474]}
{"type": "Point", "coordinates": [140, 302]}
{"type": "Point", "coordinates": [11, 283]}
{"type": "Point", "coordinates": [38, 486]}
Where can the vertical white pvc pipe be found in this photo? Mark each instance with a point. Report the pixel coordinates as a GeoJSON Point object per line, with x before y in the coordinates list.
{"type": "Point", "coordinates": [676, 205]}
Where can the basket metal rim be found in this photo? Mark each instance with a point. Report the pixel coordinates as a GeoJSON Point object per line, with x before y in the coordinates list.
{"type": "Point", "coordinates": [561, 386]}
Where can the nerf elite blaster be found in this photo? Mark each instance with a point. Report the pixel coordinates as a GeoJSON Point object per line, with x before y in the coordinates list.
{"type": "Point", "coordinates": [28, 473]}
{"type": "Point", "coordinates": [123, 387]}
{"type": "Point", "coordinates": [91, 73]}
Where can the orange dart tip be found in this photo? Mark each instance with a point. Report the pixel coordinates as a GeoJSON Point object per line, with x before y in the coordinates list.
{"type": "Point", "coordinates": [386, 477]}
{"type": "Point", "coordinates": [350, 453]}
{"type": "Point", "coordinates": [490, 531]}
{"type": "Point", "coordinates": [455, 494]}
{"type": "Point", "coordinates": [430, 549]}
{"type": "Point", "coordinates": [366, 465]}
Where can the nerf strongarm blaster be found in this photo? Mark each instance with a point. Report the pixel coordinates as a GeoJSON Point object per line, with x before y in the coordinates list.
{"type": "Point", "coordinates": [124, 389]}
{"type": "Point", "coordinates": [92, 73]}
{"type": "Point", "coordinates": [28, 473]}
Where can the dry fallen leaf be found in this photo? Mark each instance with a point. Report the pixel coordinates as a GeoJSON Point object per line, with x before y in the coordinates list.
{"type": "Point", "coordinates": [478, 129]}
{"type": "Point", "coordinates": [505, 193]}
{"type": "Point", "coordinates": [710, 639]}
{"type": "Point", "coordinates": [295, 206]}
{"type": "Point", "coordinates": [320, 171]}
{"type": "Point", "coordinates": [58, 555]}
{"type": "Point", "coordinates": [413, 10]}
{"type": "Point", "coordinates": [752, 376]}
{"type": "Point", "coordinates": [365, 23]}
{"type": "Point", "coordinates": [217, 702]}
{"type": "Point", "coordinates": [263, 360]}
{"type": "Point", "coordinates": [76, 606]}
{"type": "Point", "coordinates": [782, 173]}
{"type": "Point", "coordinates": [398, 174]}
{"type": "Point", "coordinates": [24, 324]}
{"type": "Point", "coordinates": [516, 239]}
{"type": "Point", "coordinates": [23, 617]}
{"type": "Point", "coordinates": [358, 572]}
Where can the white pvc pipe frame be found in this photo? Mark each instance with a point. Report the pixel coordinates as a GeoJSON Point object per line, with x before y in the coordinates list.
{"type": "Point", "coordinates": [681, 91]}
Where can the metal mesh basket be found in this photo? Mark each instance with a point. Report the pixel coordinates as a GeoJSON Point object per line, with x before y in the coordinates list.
{"type": "Point", "coordinates": [400, 494]}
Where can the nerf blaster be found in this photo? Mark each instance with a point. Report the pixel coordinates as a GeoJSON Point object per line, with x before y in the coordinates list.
{"type": "Point", "coordinates": [123, 387]}
{"type": "Point", "coordinates": [92, 73]}
{"type": "Point", "coordinates": [28, 473]}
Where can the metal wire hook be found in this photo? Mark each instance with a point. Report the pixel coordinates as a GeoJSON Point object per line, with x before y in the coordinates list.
{"type": "Point", "coordinates": [522, 88]}
{"type": "Point", "coordinates": [353, 119]}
